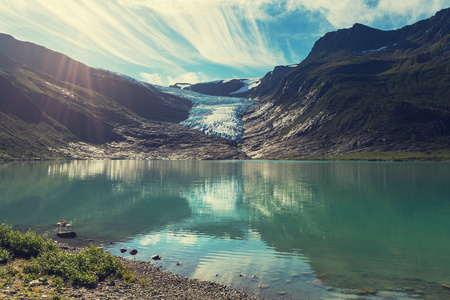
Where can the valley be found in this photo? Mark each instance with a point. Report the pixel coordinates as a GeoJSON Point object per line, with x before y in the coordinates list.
{"type": "Point", "coordinates": [360, 90]}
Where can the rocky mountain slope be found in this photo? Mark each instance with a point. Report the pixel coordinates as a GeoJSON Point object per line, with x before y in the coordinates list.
{"type": "Point", "coordinates": [52, 105]}
{"type": "Point", "coordinates": [360, 89]}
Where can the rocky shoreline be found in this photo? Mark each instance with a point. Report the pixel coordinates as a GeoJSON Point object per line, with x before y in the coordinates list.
{"type": "Point", "coordinates": [151, 283]}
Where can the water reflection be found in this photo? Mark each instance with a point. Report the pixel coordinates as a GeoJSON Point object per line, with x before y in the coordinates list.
{"type": "Point", "coordinates": [353, 225]}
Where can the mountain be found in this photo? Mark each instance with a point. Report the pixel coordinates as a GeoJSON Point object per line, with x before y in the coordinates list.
{"type": "Point", "coordinates": [53, 106]}
{"type": "Point", "coordinates": [227, 87]}
{"type": "Point", "coordinates": [146, 102]}
{"type": "Point", "coordinates": [360, 89]}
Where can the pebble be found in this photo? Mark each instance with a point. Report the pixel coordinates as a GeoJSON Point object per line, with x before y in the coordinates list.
{"type": "Point", "coordinates": [264, 286]}
{"type": "Point", "coordinates": [318, 282]}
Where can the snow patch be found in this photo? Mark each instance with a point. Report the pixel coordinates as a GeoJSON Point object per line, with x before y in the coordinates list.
{"type": "Point", "coordinates": [183, 85]}
{"type": "Point", "coordinates": [293, 66]}
{"type": "Point", "coordinates": [375, 50]}
{"type": "Point", "coordinates": [248, 85]}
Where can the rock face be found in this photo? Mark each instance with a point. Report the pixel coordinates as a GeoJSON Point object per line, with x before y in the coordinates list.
{"type": "Point", "coordinates": [360, 89]}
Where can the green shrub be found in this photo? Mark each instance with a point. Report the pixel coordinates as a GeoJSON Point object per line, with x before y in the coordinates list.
{"type": "Point", "coordinates": [86, 268]}
{"type": "Point", "coordinates": [25, 245]}
{"type": "Point", "coordinates": [4, 256]}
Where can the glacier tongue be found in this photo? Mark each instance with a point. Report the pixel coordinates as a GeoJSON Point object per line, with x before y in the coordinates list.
{"type": "Point", "coordinates": [220, 116]}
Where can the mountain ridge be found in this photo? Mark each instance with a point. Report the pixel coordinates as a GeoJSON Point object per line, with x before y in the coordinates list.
{"type": "Point", "coordinates": [353, 94]}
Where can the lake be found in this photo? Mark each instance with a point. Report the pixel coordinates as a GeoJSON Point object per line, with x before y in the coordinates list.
{"type": "Point", "coordinates": [280, 230]}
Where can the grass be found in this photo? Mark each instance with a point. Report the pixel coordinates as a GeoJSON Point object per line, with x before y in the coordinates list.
{"type": "Point", "coordinates": [384, 156]}
{"type": "Point", "coordinates": [27, 257]}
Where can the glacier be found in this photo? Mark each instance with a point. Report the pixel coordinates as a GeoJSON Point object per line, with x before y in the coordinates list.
{"type": "Point", "coordinates": [213, 115]}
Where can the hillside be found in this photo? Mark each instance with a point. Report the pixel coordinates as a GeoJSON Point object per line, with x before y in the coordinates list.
{"type": "Point", "coordinates": [360, 89]}
{"type": "Point", "coordinates": [62, 108]}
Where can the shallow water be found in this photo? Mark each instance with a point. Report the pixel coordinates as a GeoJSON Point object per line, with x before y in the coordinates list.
{"type": "Point", "coordinates": [305, 230]}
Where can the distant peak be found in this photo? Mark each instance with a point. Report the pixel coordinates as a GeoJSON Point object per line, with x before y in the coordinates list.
{"type": "Point", "coordinates": [356, 25]}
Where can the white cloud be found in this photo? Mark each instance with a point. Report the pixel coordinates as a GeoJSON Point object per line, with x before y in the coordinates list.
{"type": "Point", "coordinates": [154, 78]}
{"type": "Point", "coordinates": [411, 10]}
{"type": "Point", "coordinates": [222, 32]}
{"type": "Point", "coordinates": [158, 34]}
{"type": "Point", "coordinates": [187, 77]}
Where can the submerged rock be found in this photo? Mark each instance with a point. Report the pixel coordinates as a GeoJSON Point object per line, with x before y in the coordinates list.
{"type": "Point", "coordinates": [67, 234]}
{"type": "Point", "coordinates": [122, 250]}
{"type": "Point", "coordinates": [318, 282]}
{"type": "Point", "coordinates": [156, 257]}
{"type": "Point", "coordinates": [133, 251]}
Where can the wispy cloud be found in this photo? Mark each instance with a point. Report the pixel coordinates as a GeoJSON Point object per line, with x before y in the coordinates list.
{"type": "Point", "coordinates": [157, 34]}
{"type": "Point", "coordinates": [166, 40]}
{"type": "Point", "coordinates": [223, 32]}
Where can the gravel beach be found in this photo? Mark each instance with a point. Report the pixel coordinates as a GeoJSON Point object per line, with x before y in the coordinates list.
{"type": "Point", "coordinates": [151, 283]}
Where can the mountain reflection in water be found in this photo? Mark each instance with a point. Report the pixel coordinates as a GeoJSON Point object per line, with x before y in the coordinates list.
{"type": "Point", "coordinates": [296, 225]}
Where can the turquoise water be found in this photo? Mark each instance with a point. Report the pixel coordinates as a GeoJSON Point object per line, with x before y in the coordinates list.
{"type": "Point", "coordinates": [305, 230]}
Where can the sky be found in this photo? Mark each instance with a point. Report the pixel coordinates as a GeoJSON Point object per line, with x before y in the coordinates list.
{"type": "Point", "coordinates": [168, 41]}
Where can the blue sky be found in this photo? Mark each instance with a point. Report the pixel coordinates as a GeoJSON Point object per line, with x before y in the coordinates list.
{"type": "Point", "coordinates": [169, 41]}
